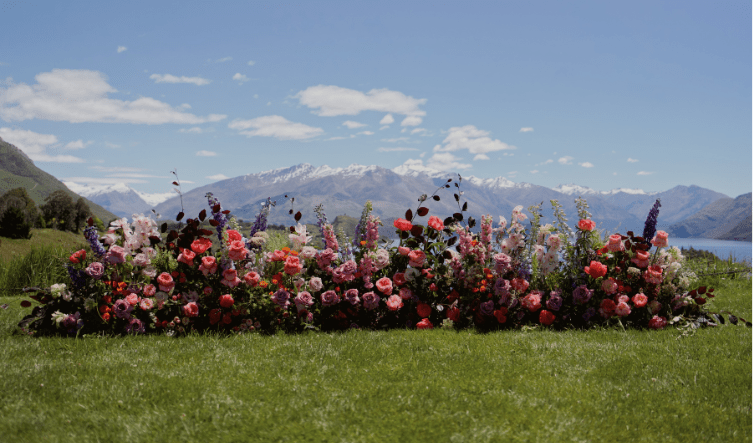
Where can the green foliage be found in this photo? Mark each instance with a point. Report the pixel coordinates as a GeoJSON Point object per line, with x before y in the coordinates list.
{"type": "Point", "coordinates": [18, 198]}
{"type": "Point", "coordinates": [14, 225]}
{"type": "Point", "coordinates": [43, 266]}
{"type": "Point", "coordinates": [59, 211]}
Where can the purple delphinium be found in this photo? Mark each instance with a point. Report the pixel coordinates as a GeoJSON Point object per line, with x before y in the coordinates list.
{"type": "Point", "coordinates": [260, 224]}
{"type": "Point", "coordinates": [218, 216]}
{"type": "Point", "coordinates": [321, 218]}
{"type": "Point", "coordinates": [93, 238]}
{"type": "Point", "coordinates": [649, 228]}
{"type": "Point", "coordinates": [78, 277]}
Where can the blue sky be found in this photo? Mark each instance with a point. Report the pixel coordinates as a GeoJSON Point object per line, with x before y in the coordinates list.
{"type": "Point", "coordinates": [607, 95]}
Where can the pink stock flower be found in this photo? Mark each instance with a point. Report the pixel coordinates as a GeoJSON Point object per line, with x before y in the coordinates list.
{"type": "Point", "coordinates": [394, 303]}
{"type": "Point", "coordinates": [384, 285]}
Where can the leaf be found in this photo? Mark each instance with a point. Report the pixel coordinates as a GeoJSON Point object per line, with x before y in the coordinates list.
{"type": "Point", "coordinates": [408, 214]}
{"type": "Point", "coordinates": [457, 197]}
{"type": "Point", "coordinates": [452, 241]}
{"type": "Point", "coordinates": [732, 319]}
{"type": "Point", "coordinates": [458, 216]}
{"type": "Point", "coordinates": [206, 232]}
{"type": "Point", "coordinates": [465, 207]}
{"type": "Point", "coordinates": [203, 214]}
{"type": "Point", "coordinates": [417, 230]}
{"type": "Point", "coordinates": [172, 235]}
{"type": "Point", "coordinates": [422, 211]}
{"type": "Point", "coordinates": [226, 211]}
{"type": "Point", "coordinates": [449, 180]}
{"type": "Point", "coordinates": [216, 208]}
{"type": "Point", "coordinates": [446, 186]}
{"type": "Point", "coordinates": [447, 255]}
{"type": "Point", "coordinates": [702, 290]}
{"type": "Point", "coordinates": [290, 212]}
{"type": "Point", "coordinates": [292, 228]}
{"type": "Point", "coordinates": [90, 221]}
{"type": "Point", "coordinates": [471, 222]}
{"type": "Point", "coordinates": [298, 216]}
{"type": "Point", "coordinates": [435, 197]}
{"type": "Point", "coordinates": [163, 228]}
{"type": "Point", "coordinates": [179, 217]}
{"type": "Point", "coordinates": [448, 221]}
{"type": "Point", "coordinates": [176, 183]}
{"type": "Point", "coordinates": [404, 234]}
{"type": "Point", "coordinates": [214, 222]}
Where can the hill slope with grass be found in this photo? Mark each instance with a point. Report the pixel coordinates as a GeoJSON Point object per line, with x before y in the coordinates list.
{"type": "Point", "coordinates": [17, 170]}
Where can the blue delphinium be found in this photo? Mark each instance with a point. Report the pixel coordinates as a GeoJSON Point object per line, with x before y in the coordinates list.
{"type": "Point", "coordinates": [91, 235]}
{"type": "Point", "coordinates": [650, 227]}
{"type": "Point", "coordinates": [260, 224]}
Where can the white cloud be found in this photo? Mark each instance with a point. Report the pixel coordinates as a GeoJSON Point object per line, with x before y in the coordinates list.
{"type": "Point", "coordinates": [111, 145]}
{"type": "Point", "coordinates": [526, 129]}
{"type": "Point", "coordinates": [195, 130]}
{"type": "Point", "coordinates": [566, 160]}
{"type": "Point", "coordinates": [645, 173]}
{"type": "Point", "coordinates": [470, 138]}
{"type": "Point", "coordinates": [632, 160]}
{"type": "Point", "coordinates": [169, 78]}
{"type": "Point", "coordinates": [352, 125]}
{"type": "Point", "coordinates": [275, 126]}
{"type": "Point", "coordinates": [481, 157]}
{"type": "Point", "coordinates": [256, 95]}
{"type": "Point", "coordinates": [586, 164]}
{"type": "Point", "coordinates": [411, 120]}
{"type": "Point", "coordinates": [384, 127]}
{"type": "Point", "coordinates": [223, 60]}
{"type": "Point", "coordinates": [387, 120]}
{"type": "Point", "coordinates": [251, 63]}
{"type": "Point", "coordinates": [122, 49]}
{"type": "Point", "coordinates": [35, 145]}
{"type": "Point", "coordinates": [396, 140]}
{"type": "Point", "coordinates": [535, 171]}
{"type": "Point", "coordinates": [436, 163]}
{"type": "Point", "coordinates": [545, 163]}
{"type": "Point", "coordinates": [366, 133]}
{"type": "Point", "coordinates": [330, 101]}
{"type": "Point", "coordinates": [79, 96]}
{"type": "Point", "coordinates": [218, 177]}
{"type": "Point", "coordinates": [396, 149]}
{"type": "Point", "coordinates": [418, 131]}
{"type": "Point", "coordinates": [206, 154]}
{"type": "Point", "coordinates": [78, 144]}
{"type": "Point", "coordinates": [240, 77]}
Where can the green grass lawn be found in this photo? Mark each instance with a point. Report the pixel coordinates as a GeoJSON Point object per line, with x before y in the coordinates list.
{"type": "Point", "coordinates": [62, 242]}
{"type": "Point", "coordinates": [533, 385]}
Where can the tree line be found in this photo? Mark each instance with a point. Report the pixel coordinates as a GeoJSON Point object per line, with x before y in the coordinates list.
{"type": "Point", "coordinates": [19, 214]}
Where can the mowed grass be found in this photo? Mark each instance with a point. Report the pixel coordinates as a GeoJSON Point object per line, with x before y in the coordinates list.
{"type": "Point", "coordinates": [397, 386]}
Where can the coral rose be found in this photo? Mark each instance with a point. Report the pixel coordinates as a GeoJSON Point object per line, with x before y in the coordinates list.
{"type": "Point", "coordinates": [233, 235]}
{"type": "Point", "coordinates": [226, 301]}
{"type": "Point", "coordinates": [403, 224]}
{"type": "Point", "coordinates": [622, 309]}
{"type": "Point", "coordinates": [237, 250]}
{"type": "Point", "coordinates": [435, 223]}
{"type": "Point", "coordinates": [640, 300]}
{"type": "Point", "coordinates": [165, 282]}
{"type": "Point", "coordinates": [186, 256]}
{"type": "Point", "coordinates": [394, 303]}
{"type": "Point", "coordinates": [546, 318]}
{"type": "Point", "coordinates": [660, 240]}
{"type": "Point", "coordinates": [596, 269]}
{"type": "Point", "coordinates": [200, 245]}
{"type": "Point", "coordinates": [208, 265]}
{"type": "Point", "coordinates": [384, 285]}
{"type": "Point", "coordinates": [424, 324]}
{"type": "Point", "coordinates": [641, 259]}
{"type": "Point", "coordinates": [416, 258]}
{"type": "Point", "coordinates": [293, 265]}
{"type": "Point", "coordinates": [586, 225]}
{"type": "Point", "coordinates": [252, 278]}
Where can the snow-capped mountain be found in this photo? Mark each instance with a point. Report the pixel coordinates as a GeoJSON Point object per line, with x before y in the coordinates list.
{"type": "Point", "coordinates": [119, 198]}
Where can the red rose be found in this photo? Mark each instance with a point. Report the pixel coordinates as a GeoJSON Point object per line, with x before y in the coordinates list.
{"type": "Point", "coordinates": [78, 256]}
{"type": "Point", "coordinates": [200, 245]}
{"type": "Point", "coordinates": [423, 310]}
{"type": "Point", "coordinates": [399, 278]}
{"type": "Point", "coordinates": [403, 224]}
{"type": "Point", "coordinates": [586, 225]}
{"type": "Point", "coordinates": [596, 269]}
{"type": "Point", "coordinates": [453, 314]}
{"type": "Point", "coordinates": [424, 324]}
{"type": "Point", "coordinates": [501, 314]}
{"type": "Point", "coordinates": [214, 316]}
{"type": "Point", "coordinates": [191, 310]}
{"type": "Point", "coordinates": [227, 318]}
{"type": "Point", "coordinates": [226, 301]}
{"type": "Point", "coordinates": [233, 235]}
{"type": "Point", "coordinates": [546, 318]}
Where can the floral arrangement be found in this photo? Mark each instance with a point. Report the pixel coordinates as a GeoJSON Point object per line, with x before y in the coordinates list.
{"type": "Point", "coordinates": [138, 278]}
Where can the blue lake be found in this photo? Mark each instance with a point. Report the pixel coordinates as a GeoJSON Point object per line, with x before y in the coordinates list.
{"type": "Point", "coordinates": [739, 250]}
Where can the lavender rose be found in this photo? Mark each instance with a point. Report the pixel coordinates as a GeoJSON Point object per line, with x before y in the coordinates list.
{"type": "Point", "coordinates": [330, 298]}
{"type": "Point", "coordinates": [95, 270]}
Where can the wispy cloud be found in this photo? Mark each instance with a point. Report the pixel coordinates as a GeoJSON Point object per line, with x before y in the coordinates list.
{"type": "Point", "coordinates": [387, 120]}
{"type": "Point", "coordinates": [223, 59]}
{"type": "Point", "coordinates": [352, 125]}
{"type": "Point", "coordinates": [251, 63]}
{"type": "Point", "coordinates": [78, 144]}
{"type": "Point", "coordinates": [396, 149]}
{"type": "Point", "coordinates": [81, 96]}
{"type": "Point", "coordinates": [365, 133]}
{"type": "Point", "coordinates": [35, 145]}
{"type": "Point", "coordinates": [218, 177]}
{"type": "Point", "coordinates": [411, 120]}
{"type": "Point", "coordinates": [112, 145]}
{"type": "Point", "coordinates": [206, 154]}
{"type": "Point", "coordinates": [169, 78]}
{"type": "Point", "coordinates": [335, 138]}
{"type": "Point", "coordinates": [195, 130]}
{"type": "Point", "coordinates": [274, 126]}
{"type": "Point", "coordinates": [240, 78]}
{"type": "Point", "coordinates": [476, 141]}
{"type": "Point", "coordinates": [644, 173]}
{"type": "Point", "coordinates": [632, 160]}
{"type": "Point", "coordinates": [396, 140]}
{"type": "Point", "coordinates": [528, 129]}
{"type": "Point", "coordinates": [122, 49]}
{"type": "Point", "coordinates": [535, 171]}
{"type": "Point", "coordinates": [566, 160]}
{"type": "Point", "coordinates": [331, 101]}
{"type": "Point", "coordinates": [586, 164]}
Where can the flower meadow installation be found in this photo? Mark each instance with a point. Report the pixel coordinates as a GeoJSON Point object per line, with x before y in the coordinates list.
{"type": "Point", "coordinates": [138, 278]}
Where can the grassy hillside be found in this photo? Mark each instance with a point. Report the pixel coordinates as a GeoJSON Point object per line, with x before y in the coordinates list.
{"type": "Point", "coordinates": [65, 242]}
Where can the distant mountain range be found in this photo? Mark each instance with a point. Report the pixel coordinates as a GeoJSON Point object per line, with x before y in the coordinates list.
{"type": "Point", "coordinates": [724, 219]}
{"type": "Point", "coordinates": [17, 170]}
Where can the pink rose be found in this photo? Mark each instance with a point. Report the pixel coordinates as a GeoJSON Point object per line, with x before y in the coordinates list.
{"type": "Point", "coordinates": [351, 296]}
{"type": "Point", "coordinates": [149, 290]}
{"type": "Point", "coordinates": [653, 275]}
{"type": "Point", "coordinates": [607, 308]}
{"type": "Point", "coordinates": [640, 300]}
{"type": "Point", "coordinates": [146, 304]}
{"type": "Point", "coordinates": [275, 256]}
{"type": "Point", "coordinates": [586, 225]}
{"type": "Point", "coordinates": [237, 250]}
{"type": "Point", "coordinates": [660, 240]}
{"type": "Point", "coordinates": [252, 278]}
{"type": "Point", "coordinates": [436, 223]}
{"type": "Point", "coordinates": [165, 282]}
{"type": "Point", "coordinates": [226, 301]}
{"type": "Point", "coordinates": [403, 224]}
{"type": "Point", "coordinates": [394, 303]}
{"type": "Point", "coordinates": [520, 284]}
{"type": "Point", "coordinates": [384, 285]}
{"type": "Point", "coordinates": [186, 256]}
{"type": "Point", "coordinates": [330, 298]}
{"type": "Point", "coordinates": [406, 294]}
{"type": "Point", "coordinates": [399, 278]}
{"type": "Point", "coordinates": [132, 299]}
{"type": "Point", "coordinates": [416, 258]}
{"type": "Point", "coordinates": [596, 269]}
{"type": "Point", "coordinates": [116, 254]}
{"type": "Point", "coordinates": [615, 243]}
{"type": "Point", "coordinates": [208, 265]}
{"type": "Point", "coordinates": [191, 310]}
{"type": "Point", "coordinates": [654, 306]}
{"type": "Point", "coordinates": [610, 286]}
{"type": "Point", "coordinates": [293, 265]}
{"type": "Point", "coordinates": [532, 301]}
{"type": "Point", "coordinates": [641, 259]}
{"type": "Point", "coordinates": [233, 236]}
{"type": "Point", "coordinates": [402, 250]}
{"type": "Point", "coordinates": [95, 270]}
{"type": "Point", "coordinates": [230, 278]}
{"type": "Point", "coordinates": [622, 309]}
{"type": "Point", "coordinates": [200, 245]}
{"type": "Point", "coordinates": [370, 301]}
{"type": "Point", "coordinates": [303, 299]}
{"type": "Point", "coordinates": [316, 284]}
